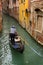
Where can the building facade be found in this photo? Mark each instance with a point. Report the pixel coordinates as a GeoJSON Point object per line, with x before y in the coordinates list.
{"type": "Point", "coordinates": [11, 8]}
{"type": "Point", "coordinates": [24, 13]}
{"type": "Point", "coordinates": [37, 20]}
{"type": "Point", "coordinates": [14, 8]}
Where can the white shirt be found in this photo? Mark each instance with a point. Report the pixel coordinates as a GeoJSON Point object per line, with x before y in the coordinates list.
{"type": "Point", "coordinates": [12, 30]}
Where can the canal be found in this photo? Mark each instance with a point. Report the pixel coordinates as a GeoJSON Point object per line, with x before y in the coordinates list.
{"type": "Point", "coordinates": [33, 53]}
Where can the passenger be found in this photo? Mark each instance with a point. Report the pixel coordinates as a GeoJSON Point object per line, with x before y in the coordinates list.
{"type": "Point", "coordinates": [13, 33]}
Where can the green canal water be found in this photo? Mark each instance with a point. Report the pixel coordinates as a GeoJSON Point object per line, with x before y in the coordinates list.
{"type": "Point", "coordinates": [33, 53]}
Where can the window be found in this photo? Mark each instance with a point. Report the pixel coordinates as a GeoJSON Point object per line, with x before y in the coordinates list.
{"type": "Point", "coordinates": [22, 1]}
{"type": "Point", "coordinates": [14, 1]}
{"type": "Point", "coordinates": [39, 24]}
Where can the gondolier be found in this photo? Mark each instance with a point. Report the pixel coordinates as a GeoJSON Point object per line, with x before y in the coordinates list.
{"type": "Point", "coordinates": [13, 33]}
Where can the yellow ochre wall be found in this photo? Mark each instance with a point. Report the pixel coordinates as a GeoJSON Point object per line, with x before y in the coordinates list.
{"type": "Point", "coordinates": [23, 16]}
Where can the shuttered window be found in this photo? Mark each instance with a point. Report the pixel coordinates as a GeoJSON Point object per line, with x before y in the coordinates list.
{"type": "Point", "coordinates": [22, 1]}
{"type": "Point", "coordinates": [39, 25]}
{"type": "Point", "coordinates": [42, 23]}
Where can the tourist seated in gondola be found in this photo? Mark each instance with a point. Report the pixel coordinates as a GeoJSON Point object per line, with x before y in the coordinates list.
{"type": "Point", "coordinates": [13, 33]}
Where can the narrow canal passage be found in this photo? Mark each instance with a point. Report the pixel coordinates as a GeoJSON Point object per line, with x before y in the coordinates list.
{"type": "Point", "coordinates": [33, 53]}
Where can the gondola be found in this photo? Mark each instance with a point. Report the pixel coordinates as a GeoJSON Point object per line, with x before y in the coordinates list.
{"type": "Point", "coordinates": [17, 44]}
